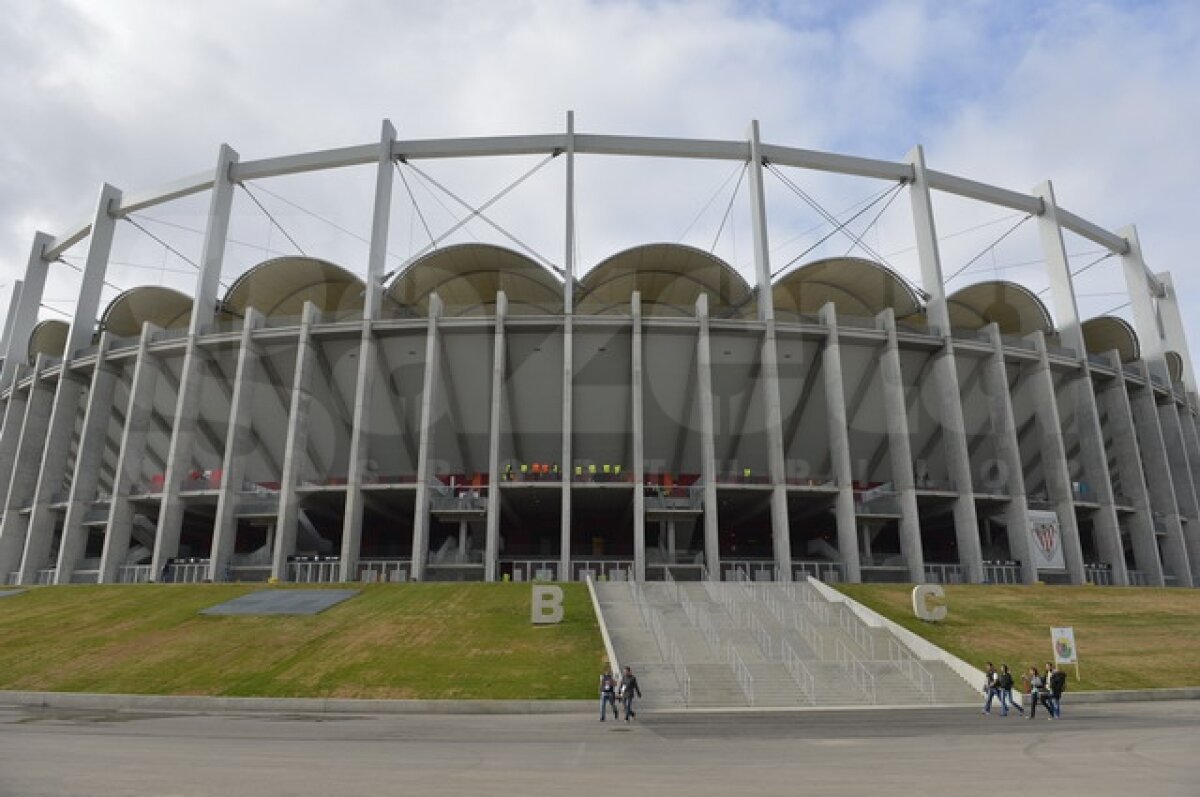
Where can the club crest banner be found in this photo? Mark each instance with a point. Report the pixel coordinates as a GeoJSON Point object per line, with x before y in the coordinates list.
{"type": "Point", "coordinates": [1045, 541]}
{"type": "Point", "coordinates": [1063, 640]}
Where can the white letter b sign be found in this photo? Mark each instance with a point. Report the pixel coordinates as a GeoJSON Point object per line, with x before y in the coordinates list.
{"type": "Point", "coordinates": [547, 604]}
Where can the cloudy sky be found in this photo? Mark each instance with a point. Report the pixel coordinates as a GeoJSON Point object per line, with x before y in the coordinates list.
{"type": "Point", "coordinates": [1101, 98]}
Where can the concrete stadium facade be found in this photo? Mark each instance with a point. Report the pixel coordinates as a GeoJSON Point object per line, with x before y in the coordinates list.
{"type": "Point", "coordinates": [483, 415]}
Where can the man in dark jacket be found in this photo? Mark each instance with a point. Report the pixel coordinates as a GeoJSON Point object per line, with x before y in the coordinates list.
{"type": "Point", "coordinates": [1006, 692]}
{"type": "Point", "coordinates": [628, 688]}
{"type": "Point", "coordinates": [1056, 680]}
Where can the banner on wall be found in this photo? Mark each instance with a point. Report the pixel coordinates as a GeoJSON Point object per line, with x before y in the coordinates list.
{"type": "Point", "coordinates": [1045, 541]}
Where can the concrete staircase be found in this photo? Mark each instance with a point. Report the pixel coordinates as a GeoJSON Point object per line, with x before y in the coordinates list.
{"type": "Point", "coordinates": [766, 645]}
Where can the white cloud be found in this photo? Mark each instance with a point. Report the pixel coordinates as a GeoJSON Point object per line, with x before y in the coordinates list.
{"type": "Point", "coordinates": [1098, 97]}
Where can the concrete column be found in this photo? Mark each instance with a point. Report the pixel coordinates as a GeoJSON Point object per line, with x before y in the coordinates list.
{"type": "Point", "coordinates": [708, 457]}
{"type": "Point", "coordinates": [1175, 337]}
{"type": "Point", "coordinates": [568, 394]}
{"type": "Point", "coordinates": [569, 230]}
{"type": "Point", "coordinates": [780, 531]}
{"type": "Point", "coordinates": [1185, 495]}
{"type": "Point", "coordinates": [1142, 296]}
{"type": "Point", "coordinates": [61, 428]}
{"type": "Point", "coordinates": [839, 447]}
{"type": "Point", "coordinates": [10, 433]}
{"type": "Point", "coordinates": [1054, 462]}
{"type": "Point", "coordinates": [24, 313]}
{"type": "Point", "coordinates": [138, 413]}
{"type": "Point", "coordinates": [14, 301]}
{"type": "Point", "coordinates": [239, 441]}
{"type": "Point", "coordinates": [23, 479]}
{"type": "Point", "coordinates": [945, 370]}
{"type": "Point", "coordinates": [430, 401]}
{"type": "Point", "coordinates": [1087, 418]}
{"type": "Point", "coordinates": [492, 542]}
{"type": "Point", "coordinates": [1159, 479]}
{"type": "Point", "coordinates": [1008, 451]}
{"type": "Point", "coordinates": [637, 413]}
{"type": "Point", "coordinates": [89, 458]}
{"type": "Point", "coordinates": [191, 377]}
{"type": "Point", "coordinates": [1128, 459]}
{"type": "Point", "coordinates": [295, 444]}
{"type": "Point", "coordinates": [900, 449]}
{"type": "Point", "coordinates": [1191, 443]}
{"type": "Point", "coordinates": [368, 365]}
{"type": "Point", "coordinates": [758, 229]}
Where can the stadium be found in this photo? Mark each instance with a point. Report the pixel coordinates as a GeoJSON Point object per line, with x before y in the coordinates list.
{"type": "Point", "coordinates": [479, 414]}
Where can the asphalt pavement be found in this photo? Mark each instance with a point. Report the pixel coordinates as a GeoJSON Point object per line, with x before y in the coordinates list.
{"type": "Point", "coordinates": [1098, 749]}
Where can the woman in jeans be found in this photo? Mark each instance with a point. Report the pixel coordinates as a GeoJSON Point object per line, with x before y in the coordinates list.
{"type": "Point", "coordinates": [1038, 693]}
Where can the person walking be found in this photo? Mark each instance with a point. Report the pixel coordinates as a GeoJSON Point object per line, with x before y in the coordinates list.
{"type": "Point", "coordinates": [626, 691]}
{"type": "Point", "coordinates": [608, 694]}
{"type": "Point", "coordinates": [1006, 692]}
{"type": "Point", "coordinates": [991, 687]}
{"type": "Point", "coordinates": [1056, 679]}
{"type": "Point", "coordinates": [1039, 692]}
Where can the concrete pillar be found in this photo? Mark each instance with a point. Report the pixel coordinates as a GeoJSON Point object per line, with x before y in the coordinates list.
{"type": "Point", "coordinates": [1159, 479]}
{"type": "Point", "coordinates": [14, 301]}
{"type": "Point", "coordinates": [637, 413]}
{"type": "Point", "coordinates": [1128, 459]}
{"type": "Point", "coordinates": [23, 479]}
{"type": "Point", "coordinates": [192, 376]}
{"type": "Point", "coordinates": [1087, 418]}
{"type": "Point", "coordinates": [708, 457]}
{"type": "Point", "coordinates": [368, 365]}
{"type": "Point", "coordinates": [1173, 331]}
{"type": "Point", "coordinates": [569, 232]}
{"type": "Point", "coordinates": [900, 449]}
{"type": "Point", "coordinates": [945, 370]}
{"type": "Point", "coordinates": [10, 433]}
{"type": "Point", "coordinates": [568, 393]}
{"type": "Point", "coordinates": [239, 440]}
{"type": "Point", "coordinates": [1191, 443]}
{"type": "Point", "coordinates": [24, 313]}
{"type": "Point", "coordinates": [1008, 451]}
{"type": "Point", "coordinates": [138, 413]}
{"type": "Point", "coordinates": [1185, 495]}
{"type": "Point", "coordinates": [758, 229]}
{"type": "Point", "coordinates": [1054, 462]}
{"type": "Point", "coordinates": [61, 429]}
{"type": "Point", "coordinates": [780, 531]}
{"type": "Point", "coordinates": [491, 560]}
{"type": "Point", "coordinates": [839, 447]}
{"type": "Point", "coordinates": [89, 458]}
{"type": "Point", "coordinates": [295, 444]}
{"type": "Point", "coordinates": [430, 401]}
{"type": "Point", "coordinates": [1142, 295]}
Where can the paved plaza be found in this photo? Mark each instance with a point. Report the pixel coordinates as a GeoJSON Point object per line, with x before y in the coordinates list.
{"type": "Point", "coordinates": [1100, 749]}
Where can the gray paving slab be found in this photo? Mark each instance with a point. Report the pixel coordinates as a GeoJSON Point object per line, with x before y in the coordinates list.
{"type": "Point", "coordinates": [282, 601]}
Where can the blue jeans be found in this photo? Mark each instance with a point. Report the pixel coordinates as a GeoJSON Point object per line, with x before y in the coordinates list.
{"type": "Point", "coordinates": [608, 699]}
{"type": "Point", "coordinates": [1007, 697]}
{"type": "Point", "coordinates": [992, 694]}
{"type": "Point", "coordinates": [628, 701]}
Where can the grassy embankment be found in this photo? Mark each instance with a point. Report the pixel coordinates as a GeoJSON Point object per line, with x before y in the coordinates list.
{"type": "Point", "coordinates": [1127, 638]}
{"type": "Point", "coordinates": [432, 641]}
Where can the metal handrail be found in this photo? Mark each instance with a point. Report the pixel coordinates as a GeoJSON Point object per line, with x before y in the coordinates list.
{"type": "Point", "coordinates": [672, 585]}
{"type": "Point", "coordinates": [809, 633]}
{"type": "Point", "coordinates": [762, 636]}
{"type": "Point", "coordinates": [849, 622]}
{"type": "Point", "coordinates": [682, 676]}
{"type": "Point", "coordinates": [799, 671]}
{"type": "Point", "coordinates": [911, 668]}
{"type": "Point", "coordinates": [859, 675]}
{"type": "Point", "coordinates": [742, 673]}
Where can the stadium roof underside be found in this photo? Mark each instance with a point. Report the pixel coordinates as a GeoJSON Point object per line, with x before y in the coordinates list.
{"type": "Point", "coordinates": [279, 288]}
{"type": "Point", "coordinates": [467, 278]}
{"type": "Point", "coordinates": [165, 308]}
{"type": "Point", "coordinates": [857, 287]}
{"type": "Point", "coordinates": [1105, 333]}
{"type": "Point", "coordinates": [670, 278]}
{"type": "Point", "coordinates": [1013, 308]}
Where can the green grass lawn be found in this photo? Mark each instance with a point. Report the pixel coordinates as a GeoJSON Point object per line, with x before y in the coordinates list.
{"type": "Point", "coordinates": [429, 641]}
{"type": "Point", "coordinates": [1127, 638]}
